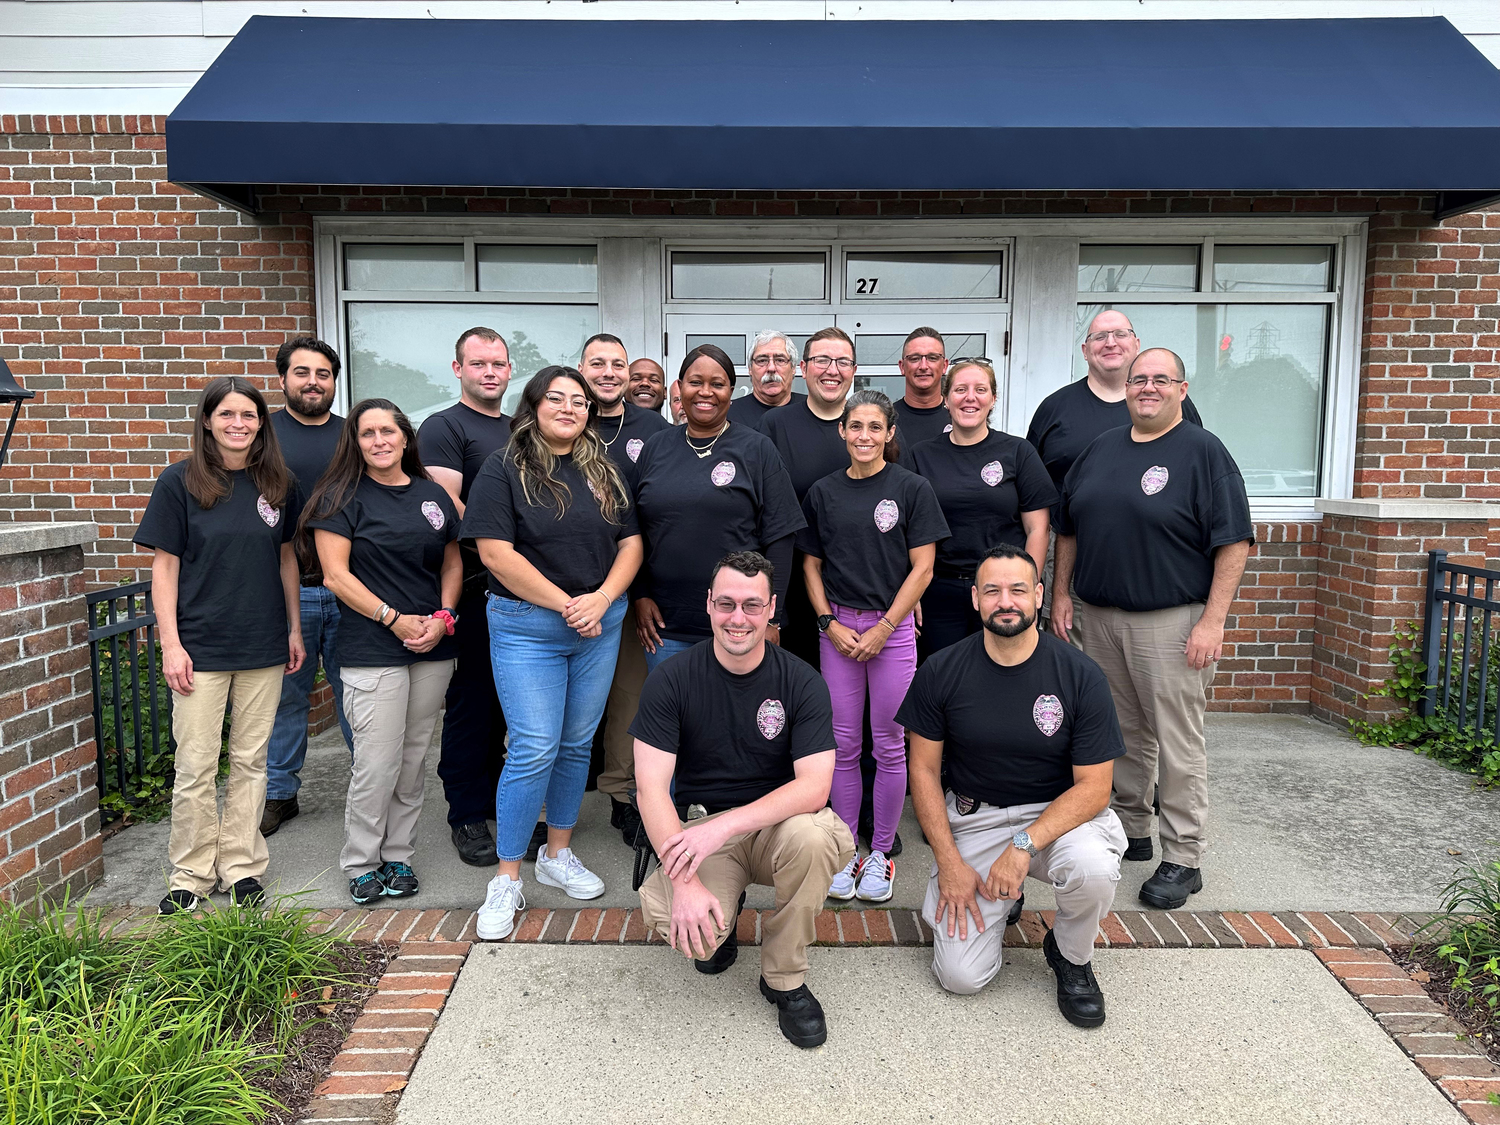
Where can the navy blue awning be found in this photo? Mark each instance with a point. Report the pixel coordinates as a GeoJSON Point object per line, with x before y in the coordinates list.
{"type": "Point", "coordinates": [1318, 104]}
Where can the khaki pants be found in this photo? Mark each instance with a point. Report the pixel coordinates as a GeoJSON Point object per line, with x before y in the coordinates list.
{"type": "Point", "coordinates": [798, 857]}
{"type": "Point", "coordinates": [617, 778]}
{"type": "Point", "coordinates": [1160, 702]}
{"type": "Point", "coordinates": [1083, 867]}
{"type": "Point", "coordinates": [207, 847]}
{"type": "Point", "coordinates": [393, 713]}
{"type": "Point", "coordinates": [1045, 623]}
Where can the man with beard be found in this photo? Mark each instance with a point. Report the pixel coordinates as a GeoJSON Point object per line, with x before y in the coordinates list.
{"type": "Point", "coordinates": [648, 385]}
{"type": "Point", "coordinates": [1024, 728]}
{"type": "Point", "coordinates": [773, 362]}
{"type": "Point", "coordinates": [308, 431]}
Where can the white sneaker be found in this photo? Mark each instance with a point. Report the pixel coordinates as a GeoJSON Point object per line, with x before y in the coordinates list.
{"type": "Point", "coordinates": [497, 917]}
{"type": "Point", "coordinates": [877, 878]}
{"type": "Point", "coordinates": [843, 883]}
{"type": "Point", "coordinates": [568, 873]}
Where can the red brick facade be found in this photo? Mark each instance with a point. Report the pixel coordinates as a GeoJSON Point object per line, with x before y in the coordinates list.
{"type": "Point", "coordinates": [120, 293]}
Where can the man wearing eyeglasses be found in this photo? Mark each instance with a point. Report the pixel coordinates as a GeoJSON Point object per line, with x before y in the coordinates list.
{"type": "Point", "coordinates": [773, 362]}
{"type": "Point", "coordinates": [745, 730]}
{"type": "Point", "coordinates": [1153, 535]}
{"type": "Point", "coordinates": [920, 413]}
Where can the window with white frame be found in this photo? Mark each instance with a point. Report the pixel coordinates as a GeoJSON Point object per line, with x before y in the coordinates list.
{"type": "Point", "coordinates": [402, 304]}
{"type": "Point", "coordinates": [1253, 324]}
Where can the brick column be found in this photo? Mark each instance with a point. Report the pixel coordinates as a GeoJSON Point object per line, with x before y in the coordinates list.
{"type": "Point", "coordinates": [1372, 570]}
{"type": "Point", "coordinates": [49, 806]}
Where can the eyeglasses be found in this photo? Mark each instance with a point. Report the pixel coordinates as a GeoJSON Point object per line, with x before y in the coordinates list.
{"type": "Point", "coordinates": [768, 360]}
{"type": "Point", "coordinates": [824, 362]}
{"type": "Point", "coordinates": [753, 607]}
{"type": "Point", "coordinates": [557, 398]}
{"type": "Point", "coordinates": [930, 357]}
{"type": "Point", "coordinates": [956, 360]}
{"type": "Point", "coordinates": [1120, 334]}
{"type": "Point", "coordinates": [1159, 382]}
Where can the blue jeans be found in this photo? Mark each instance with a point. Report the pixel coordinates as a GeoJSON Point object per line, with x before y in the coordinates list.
{"type": "Point", "coordinates": [288, 748]}
{"type": "Point", "coordinates": [553, 685]}
{"type": "Point", "coordinates": [665, 649]}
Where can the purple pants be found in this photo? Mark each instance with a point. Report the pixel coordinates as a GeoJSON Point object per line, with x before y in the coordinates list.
{"type": "Point", "coordinates": [887, 677]}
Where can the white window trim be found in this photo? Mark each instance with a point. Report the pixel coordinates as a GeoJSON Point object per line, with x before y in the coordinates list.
{"type": "Point", "coordinates": [1041, 287]}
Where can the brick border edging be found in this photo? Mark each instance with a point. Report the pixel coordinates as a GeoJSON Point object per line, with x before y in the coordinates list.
{"type": "Point", "coordinates": [1435, 1041]}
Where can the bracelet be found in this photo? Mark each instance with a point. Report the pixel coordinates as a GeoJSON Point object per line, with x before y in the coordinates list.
{"type": "Point", "coordinates": [379, 615]}
{"type": "Point", "coordinates": [394, 619]}
{"type": "Point", "coordinates": [887, 624]}
{"type": "Point", "coordinates": [446, 617]}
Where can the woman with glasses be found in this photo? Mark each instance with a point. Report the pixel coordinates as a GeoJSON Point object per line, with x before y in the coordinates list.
{"type": "Point", "coordinates": [705, 490]}
{"type": "Point", "coordinates": [868, 549]}
{"type": "Point", "coordinates": [552, 519]}
{"type": "Point", "coordinates": [387, 538]}
{"type": "Point", "coordinates": [993, 488]}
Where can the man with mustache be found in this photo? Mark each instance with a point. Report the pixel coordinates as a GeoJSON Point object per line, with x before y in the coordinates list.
{"type": "Point", "coordinates": [773, 362]}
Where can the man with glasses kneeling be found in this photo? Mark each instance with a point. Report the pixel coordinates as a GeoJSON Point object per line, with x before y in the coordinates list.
{"type": "Point", "coordinates": [1022, 726]}
{"type": "Point", "coordinates": [745, 730]}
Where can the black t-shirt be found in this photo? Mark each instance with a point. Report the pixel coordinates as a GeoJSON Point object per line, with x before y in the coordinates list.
{"type": "Point", "coordinates": [231, 608]}
{"type": "Point", "coordinates": [983, 489]}
{"type": "Point", "coordinates": [307, 449]}
{"type": "Point", "coordinates": [397, 536]}
{"type": "Point", "coordinates": [693, 511]}
{"type": "Point", "coordinates": [736, 737]}
{"type": "Point", "coordinates": [625, 436]}
{"type": "Point", "coordinates": [574, 553]}
{"type": "Point", "coordinates": [1011, 736]}
{"type": "Point", "coordinates": [810, 447]}
{"type": "Point", "coordinates": [460, 438]}
{"type": "Point", "coordinates": [1150, 514]}
{"type": "Point", "coordinates": [863, 529]}
{"type": "Point", "coordinates": [750, 411]}
{"type": "Point", "coordinates": [916, 424]}
{"type": "Point", "coordinates": [1070, 418]}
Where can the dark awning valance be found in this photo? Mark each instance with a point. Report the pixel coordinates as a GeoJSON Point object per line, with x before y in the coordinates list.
{"type": "Point", "coordinates": [1317, 104]}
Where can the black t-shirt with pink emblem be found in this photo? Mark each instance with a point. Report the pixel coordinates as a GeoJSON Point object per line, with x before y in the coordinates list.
{"type": "Point", "coordinates": [1011, 736]}
{"type": "Point", "coordinates": [231, 607]}
{"type": "Point", "coordinates": [983, 489]}
{"type": "Point", "coordinates": [625, 436]}
{"type": "Point", "coordinates": [736, 737]}
{"type": "Point", "coordinates": [1150, 514]}
{"type": "Point", "coordinates": [397, 536]}
{"type": "Point", "coordinates": [863, 530]}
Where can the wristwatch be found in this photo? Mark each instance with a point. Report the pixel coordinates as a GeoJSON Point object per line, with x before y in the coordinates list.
{"type": "Point", "coordinates": [1022, 842]}
{"type": "Point", "coordinates": [824, 621]}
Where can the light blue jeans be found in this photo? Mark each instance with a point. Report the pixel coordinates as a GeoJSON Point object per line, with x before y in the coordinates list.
{"type": "Point", "coordinates": [553, 685]}
{"type": "Point", "coordinates": [665, 649]}
{"type": "Point", "coordinates": [288, 748]}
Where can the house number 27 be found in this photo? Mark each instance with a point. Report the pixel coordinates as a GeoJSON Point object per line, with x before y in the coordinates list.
{"type": "Point", "coordinates": [866, 286]}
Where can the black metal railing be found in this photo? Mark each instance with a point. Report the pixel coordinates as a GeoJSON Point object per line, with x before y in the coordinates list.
{"type": "Point", "coordinates": [1463, 666]}
{"type": "Point", "coordinates": [132, 704]}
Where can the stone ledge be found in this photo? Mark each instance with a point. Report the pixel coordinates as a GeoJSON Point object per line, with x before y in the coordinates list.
{"type": "Point", "coordinates": [29, 538]}
{"type": "Point", "coordinates": [1410, 509]}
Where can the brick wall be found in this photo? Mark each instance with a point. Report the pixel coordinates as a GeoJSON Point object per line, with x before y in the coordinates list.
{"type": "Point", "coordinates": [49, 808]}
{"type": "Point", "coordinates": [1268, 636]}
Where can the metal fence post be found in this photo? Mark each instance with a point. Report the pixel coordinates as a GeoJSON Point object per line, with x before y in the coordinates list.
{"type": "Point", "coordinates": [1431, 632]}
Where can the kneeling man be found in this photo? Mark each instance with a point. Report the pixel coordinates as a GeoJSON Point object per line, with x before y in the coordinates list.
{"type": "Point", "coordinates": [746, 730]}
{"type": "Point", "coordinates": [1024, 726]}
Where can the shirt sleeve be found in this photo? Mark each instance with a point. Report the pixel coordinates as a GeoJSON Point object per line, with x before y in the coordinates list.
{"type": "Point", "coordinates": [1096, 729]}
{"type": "Point", "coordinates": [342, 522]}
{"type": "Point", "coordinates": [440, 444]}
{"type": "Point", "coordinates": [921, 712]}
{"type": "Point", "coordinates": [164, 525]}
{"type": "Point", "coordinates": [780, 514]}
{"type": "Point", "coordinates": [1229, 515]}
{"type": "Point", "coordinates": [1065, 495]}
{"type": "Point", "coordinates": [629, 523]}
{"type": "Point", "coordinates": [490, 512]}
{"type": "Point", "coordinates": [1034, 487]}
{"type": "Point", "coordinates": [812, 722]}
{"type": "Point", "coordinates": [452, 519]}
{"type": "Point", "coordinates": [291, 512]}
{"type": "Point", "coordinates": [809, 539]}
{"type": "Point", "coordinates": [658, 718]}
{"type": "Point", "coordinates": [927, 524]}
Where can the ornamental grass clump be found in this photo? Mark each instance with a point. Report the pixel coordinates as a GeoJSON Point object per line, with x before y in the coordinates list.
{"type": "Point", "coordinates": [1470, 935]}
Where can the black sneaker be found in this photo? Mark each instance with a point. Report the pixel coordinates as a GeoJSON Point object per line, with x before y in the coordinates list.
{"type": "Point", "coordinates": [475, 845]}
{"type": "Point", "coordinates": [627, 818]}
{"type": "Point", "coordinates": [400, 880]}
{"type": "Point", "coordinates": [728, 950]}
{"type": "Point", "coordinates": [799, 1014]}
{"type": "Point", "coordinates": [178, 902]}
{"type": "Point", "coordinates": [538, 840]}
{"type": "Point", "coordinates": [867, 831]}
{"type": "Point", "coordinates": [247, 892]}
{"type": "Point", "coordinates": [366, 889]}
{"type": "Point", "coordinates": [1015, 910]}
{"type": "Point", "coordinates": [277, 813]}
{"type": "Point", "coordinates": [1079, 998]}
{"type": "Point", "coordinates": [1169, 887]}
{"type": "Point", "coordinates": [1141, 848]}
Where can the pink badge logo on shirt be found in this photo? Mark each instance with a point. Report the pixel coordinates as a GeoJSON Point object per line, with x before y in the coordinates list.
{"type": "Point", "coordinates": [1153, 480]}
{"type": "Point", "coordinates": [633, 448]}
{"type": "Point", "coordinates": [597, 495]}
{"type": "Point", "coordinates": [948, 429]}
{"type": "Point", "coordinates": [1047, 713]}
{"type": "Point", "coordinates": [267, 513]}
{"type": "Point", "coordinates": [992, 474]}
{"type": "Point", "coordinates": [723, 473]}
{"type": "Point", "coordinates": [886, 515]}
{"type": "Point", "coordinates": [771, 718]}
{"type": "Point", "coordinates": [434, 514]}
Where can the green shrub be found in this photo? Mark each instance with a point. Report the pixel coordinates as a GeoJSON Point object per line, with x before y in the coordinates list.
{"type": "Point", "coordinates": [1470, 927]}
{"type": "Point", "coordinates": [148, 792]}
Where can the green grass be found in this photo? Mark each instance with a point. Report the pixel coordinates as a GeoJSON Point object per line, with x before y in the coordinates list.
{"type": "Point", "coordinates": [1471, 934]}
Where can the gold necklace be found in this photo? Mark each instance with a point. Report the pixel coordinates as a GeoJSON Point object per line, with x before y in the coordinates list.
{"type": "Point", "coordinates": [709, 448]}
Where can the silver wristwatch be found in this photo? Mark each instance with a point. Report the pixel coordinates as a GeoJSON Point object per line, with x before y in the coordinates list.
{"type": "Point", "coordinates": [1022, 842]}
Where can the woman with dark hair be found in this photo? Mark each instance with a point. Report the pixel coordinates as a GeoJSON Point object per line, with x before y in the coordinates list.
{"type": "Point", "coordinates": [993, 488]}
{"type": "Point", "coordinates": [387, 538]}
{"type": "Point", "coordinates": [226, 591]}
{"type": "Point", "coordinates": [869, 545]}
{"type": "Point", "coordinates": [552, 519]}
{"type": "Point", "coordinates": [705, 490]}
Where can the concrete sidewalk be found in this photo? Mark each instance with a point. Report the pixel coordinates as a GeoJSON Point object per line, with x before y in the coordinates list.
{"type": "Point", "coordinates": [626, 1035]}
{"type": "Point", "coordinates": [1302, 817]}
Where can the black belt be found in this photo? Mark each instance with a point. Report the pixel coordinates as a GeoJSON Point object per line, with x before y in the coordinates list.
{"type": "Point", "coordinates": [953, 573]}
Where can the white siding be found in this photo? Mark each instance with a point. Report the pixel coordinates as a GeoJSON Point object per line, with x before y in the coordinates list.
{"type": "Point", "coordinates": [140, 56]}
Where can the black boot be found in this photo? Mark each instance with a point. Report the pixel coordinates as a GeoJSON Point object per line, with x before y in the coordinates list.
{"type": "Point", "coordinates": [624, 816]}
{"type": "Point", "coordinates": [1141, 848]}
{"type": "Point", "coordinates": [729, 948]}
{"type": "Point", "coordinates": [799, 1014]}
{"type": "Point", "coordinates": [1169, 887]}
{"type": "Point", "coordinates": [277, 813]}
{"type": "Point", "coordinates": [475, 845]}
{"type": "Point", "coordinates": [1015, 910]}
{"type": "Point", "coordinates": [1079, 998]}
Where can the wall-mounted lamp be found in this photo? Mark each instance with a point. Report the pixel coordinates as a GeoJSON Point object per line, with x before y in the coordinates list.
{"type": "Point", "coordinates": [11, 392]}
